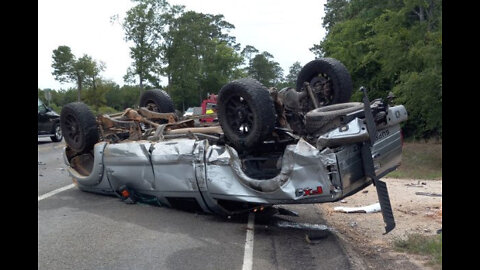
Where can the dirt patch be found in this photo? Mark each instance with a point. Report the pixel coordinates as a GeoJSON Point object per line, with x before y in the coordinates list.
{"type": "Point", "coordinates": [414, 213]}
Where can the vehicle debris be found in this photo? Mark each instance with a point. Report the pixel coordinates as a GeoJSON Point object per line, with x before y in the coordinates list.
{"type": "Point", "coordinates": [301, 226]}
{"type": "Point", "coordinates": [373, 208]}
{"type": "Point", "coordinates": [410, 212]}
{"type": "Point", "coordinates": [430, 194]}
{"type": "Point", "coordinates": [314, 237]}
{"type": "Point", "coordinates": [418, 184]}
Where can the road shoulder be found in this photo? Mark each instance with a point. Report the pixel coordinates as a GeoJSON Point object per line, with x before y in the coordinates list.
{"type": "Point", "coordinates": [414, 210]}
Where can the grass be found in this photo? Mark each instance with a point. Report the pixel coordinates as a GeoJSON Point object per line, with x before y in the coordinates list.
{"type": "Point", "coordinates": [430, 246]}
{"type": "Point", "coordinates": [420, 160]}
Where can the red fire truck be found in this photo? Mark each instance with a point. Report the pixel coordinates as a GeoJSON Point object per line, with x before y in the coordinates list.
{"type": "Point", "coordinates": [209, 107]}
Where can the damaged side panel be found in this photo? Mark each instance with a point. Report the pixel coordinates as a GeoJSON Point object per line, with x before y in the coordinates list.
{"type": "Point", "coordinates": [189, 169]}
{"type": "Point", "coordinates": [129, 164]}
{"type": "Point", "coordinates": [175, 164]}
{"type": "Point", "coordinates": [172, 163]}
{"type": "Point", "coordinates": [303, 168]}
{"type": "Point", "coordinates": [96, 181]}
{"type": "Point", "coordinates": [351, 168]}
{"type": "Point", "coordinates": [163, 169]}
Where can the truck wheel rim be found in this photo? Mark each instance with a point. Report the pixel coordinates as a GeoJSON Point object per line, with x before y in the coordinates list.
{"type": "Point", "coordinates": [151, 106]}
{"type": "Point", "coordinates": [72, 129]}
{"type": "Point", "coordinates": [322, 87]}
{"type": "Point", "coordinates": [239, 115]}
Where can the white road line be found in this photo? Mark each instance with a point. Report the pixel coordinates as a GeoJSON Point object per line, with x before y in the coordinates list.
{"type": "Point", "coordinates": [248, 253]}
{"type": "Point", "coordinates": [51, 193]}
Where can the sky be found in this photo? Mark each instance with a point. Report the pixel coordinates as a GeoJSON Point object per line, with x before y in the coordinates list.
{"type": "Point", "coordinates": [285, 29]}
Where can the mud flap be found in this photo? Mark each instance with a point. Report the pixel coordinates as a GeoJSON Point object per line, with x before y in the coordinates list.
{"type": "Point", "coordinates": [369, 169]}
{"type": "Point", "coordinates": [384, 200]}
{"type": "Point", "coordinates": [382, 191]}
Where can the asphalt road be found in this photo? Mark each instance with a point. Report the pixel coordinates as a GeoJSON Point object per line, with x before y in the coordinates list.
{"type": "Point", "coordinates": [80, 230]}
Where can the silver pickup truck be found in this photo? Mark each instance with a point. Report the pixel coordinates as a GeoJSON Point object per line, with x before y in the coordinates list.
{"type": "Point", "coordinates": [294, 146]}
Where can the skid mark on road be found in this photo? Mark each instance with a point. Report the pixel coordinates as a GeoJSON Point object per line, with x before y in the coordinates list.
{"type": "Point", "coordinates": [56, 191]}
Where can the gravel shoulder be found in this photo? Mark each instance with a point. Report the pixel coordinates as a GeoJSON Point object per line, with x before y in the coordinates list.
{"type": "Point", "coordinates": [413, 212]}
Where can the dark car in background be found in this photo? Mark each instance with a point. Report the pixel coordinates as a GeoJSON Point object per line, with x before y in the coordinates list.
{"type": "Point", "coordinates": [48, 123]}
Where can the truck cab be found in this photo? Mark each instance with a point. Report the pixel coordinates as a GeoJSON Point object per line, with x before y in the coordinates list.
{"type": "Point", "coordinates": [209, 106]}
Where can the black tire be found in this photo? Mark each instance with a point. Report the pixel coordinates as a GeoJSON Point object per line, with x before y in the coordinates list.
{"type": "Point", "coordinates": [79, 127]}
{"type": "Point", "coordinates": [326, 118]}
{"type": "Point", "coordinates": [246, 113]}
{"type": "Point", "coordinates": [57, 130]}
{"type": "Point", "coordinates": [334, 72]}
{"type": "Point", "coordinates": [157, 100]}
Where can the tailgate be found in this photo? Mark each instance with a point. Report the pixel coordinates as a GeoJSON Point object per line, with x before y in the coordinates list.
{"type": "Point", "coordinates": [387, 150]}
{"type": "Point", "coordinates": [386, 153]}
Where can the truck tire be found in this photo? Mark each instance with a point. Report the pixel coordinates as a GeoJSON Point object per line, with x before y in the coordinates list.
{"type": "Point", "coordinates": [79, 127]}
{"type": "Point", "coordinates": [157, 100]}
{"type": "Point", "coordinates": [332, 71]}
{"type": "Point", "coordinates": [326, 118]}
{"type": "Point", "coordinates": [246, 113]}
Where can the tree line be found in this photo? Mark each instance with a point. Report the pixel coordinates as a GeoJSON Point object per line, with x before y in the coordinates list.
{"type": "Point", "coordinates": [387, 45]}
{"type": "Point", "coordinates": [391, 45]}
{"type": "Point", "coordinates": [193, 51]}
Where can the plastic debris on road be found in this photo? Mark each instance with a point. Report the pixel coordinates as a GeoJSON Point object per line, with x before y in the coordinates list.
{"type": "Point", "coordinates": [373, 208]}
{"type": "Point", "coordinates": [431, 194]}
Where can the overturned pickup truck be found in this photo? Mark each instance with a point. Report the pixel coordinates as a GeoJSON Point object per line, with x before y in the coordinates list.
{"type": "Point", "coordinates": [300, 145]}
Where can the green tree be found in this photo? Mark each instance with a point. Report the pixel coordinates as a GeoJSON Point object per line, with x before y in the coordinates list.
{"type": "Point", "coordinates": [201, 56]}
{"type": "Point", "coordinates": [144, 26]}
{"type": "Point", "coordinates": [120, 98]}
{"type": "Point", "coordinates": [66, 68]}
{"type": "Point", "coordinates": [113, 97]}
{"type": "Point", "coordinates": [291, 78]}
{"type": "Point", "coordinates": [69, 95]}
{"type": "Point", "coordinates": [129, 96]}
{"type": "Point", "coordinates": [248, 52]}
{"type": "Point", "coordinates": [59, 97]}
{"type": "Point", "coordinates": [263, 68]}
{"type": "Point", "coordinates": [96, 96]}
{"type": "Point", "coordinates": [409, 42]}
{"type": "Point", "coordinates": [392, 45]}
{"type": "Point", "coordinates": [334, 12]}
{"type": "Point", "coordinates": [220, 65]}
{"type": "Point", "coordinates": [93, 72]}
{"type": "Point", "coordinates": [63, 63]}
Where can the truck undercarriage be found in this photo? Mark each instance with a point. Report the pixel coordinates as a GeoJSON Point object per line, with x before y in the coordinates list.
{"type": "Point", "coordinates": [304, 145]}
